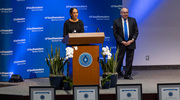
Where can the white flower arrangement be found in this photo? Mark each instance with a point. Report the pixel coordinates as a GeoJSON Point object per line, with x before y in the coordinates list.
{"type": "Point", "coordinates": [107, 52]}
{"type": "Point", "coordinates": [70, 52]}
{"type": "Point", "coordinates": [109, 65]}
{"type": "Point", "coordinates": [57, 63]}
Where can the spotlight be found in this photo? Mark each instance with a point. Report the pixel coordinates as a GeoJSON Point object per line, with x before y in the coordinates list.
{"type": "Point", "coordinates": [16, 78]}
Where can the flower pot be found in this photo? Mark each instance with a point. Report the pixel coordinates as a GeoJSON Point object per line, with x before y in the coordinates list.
{"type": "Point", "coordinates": [114, 77]}
{"type": "Point", "coordinates": [56, 81]}
{"type": "Point", "coordinates": [104, 75]}
{"type": "Point", "coordinates": [67, 86]}
{"type": "Point", "coordinates": [114, 80]}
{"type": "Point", "coordinates": [106, 85]}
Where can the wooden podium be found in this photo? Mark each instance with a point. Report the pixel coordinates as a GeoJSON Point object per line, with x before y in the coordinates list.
{"type": "Point", "coordinates": [86, 58]}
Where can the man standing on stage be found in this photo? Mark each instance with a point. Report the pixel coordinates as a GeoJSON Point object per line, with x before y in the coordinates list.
{"type": "Point", "coordinates": [125, 31]}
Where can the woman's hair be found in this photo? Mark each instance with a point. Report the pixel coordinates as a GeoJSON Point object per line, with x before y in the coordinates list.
{"type": "Point", "coordinates": [71, 10]}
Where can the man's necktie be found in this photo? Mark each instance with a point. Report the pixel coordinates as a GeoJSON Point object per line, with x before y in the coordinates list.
{"type": "Point", "coordinates": [125, 30]}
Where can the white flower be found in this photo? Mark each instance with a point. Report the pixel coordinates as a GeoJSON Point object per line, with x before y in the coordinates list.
{"type": "Point", "coordinates": [69, 49]}
{"type": "Point", "coordinates": [67, 58]}
{"type": "Point", "coordinates": [69, 52]}
{"type": "Point", "coordinates": [107, 47]}
{"type": "Point", "coordinates": [106, 51]}
{"type": "Point", "coordinates": [103, 49]}
{"type": "Point", "coordinates": [109, 57]}
{"type": "Point", "coordinates": [109, 54]}
{"type": "Point", "coordinates": [76, 48]}
{"type": "Point", "coordinates": [70, 56]}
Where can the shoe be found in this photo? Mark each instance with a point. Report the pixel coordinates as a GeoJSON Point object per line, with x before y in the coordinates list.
{"type": "Point", "coordinates": [128, 77]}
{"type": "Point", "coordinates": [120, 74]}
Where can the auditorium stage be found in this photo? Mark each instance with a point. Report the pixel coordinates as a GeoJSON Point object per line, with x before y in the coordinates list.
{"type": "Point", "coordinates": [148, 79]}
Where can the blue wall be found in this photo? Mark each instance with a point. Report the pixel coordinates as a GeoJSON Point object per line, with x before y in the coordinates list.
{"type": "Point", "coordinates": [28, 27]}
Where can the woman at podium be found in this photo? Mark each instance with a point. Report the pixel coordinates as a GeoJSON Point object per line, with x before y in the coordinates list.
{"type": "Point", "coordinates": [73, 25]}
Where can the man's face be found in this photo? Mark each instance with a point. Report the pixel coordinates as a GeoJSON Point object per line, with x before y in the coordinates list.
{"type": "Point", "coordinates": [74, 14]}
{"type": "Point", "coordinates": [124, 13]}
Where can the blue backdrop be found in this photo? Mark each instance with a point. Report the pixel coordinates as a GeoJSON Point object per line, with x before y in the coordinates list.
{"type": "Point", "coordinates": [28, 27]}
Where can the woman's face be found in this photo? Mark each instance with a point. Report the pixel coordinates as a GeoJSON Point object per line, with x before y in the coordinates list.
{"type": "Point", "coordinates": [74, 14]}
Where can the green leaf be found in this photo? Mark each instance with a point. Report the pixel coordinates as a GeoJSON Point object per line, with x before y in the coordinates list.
{"type": "Point", "coordinates": [107, 78]}
{"type": "Point", "coordinates": [51, 51]}
{"type": "Point", "coordinates": [55, 63]}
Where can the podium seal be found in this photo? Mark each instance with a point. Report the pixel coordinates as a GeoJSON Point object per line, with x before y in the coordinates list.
{"type": "Point", "coordinates": [85, 59]}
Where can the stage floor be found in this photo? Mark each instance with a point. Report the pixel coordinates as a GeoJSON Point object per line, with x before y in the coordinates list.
{"type": "Point", "coordinates": [148, 79]}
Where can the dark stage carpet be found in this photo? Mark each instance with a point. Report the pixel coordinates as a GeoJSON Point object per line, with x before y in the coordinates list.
{"type": "Point", "coordinates": [148, 79]}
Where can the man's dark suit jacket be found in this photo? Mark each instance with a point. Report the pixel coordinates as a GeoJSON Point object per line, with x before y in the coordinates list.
{"type": "Point", "coordinates": [119, 34]}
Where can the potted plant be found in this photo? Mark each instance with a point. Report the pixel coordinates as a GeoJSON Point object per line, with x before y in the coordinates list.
{"type": "Point", "coordinates": [106, 82]}
{"type": "Point", "coordinates": [56, 65]}
{"type": "Point", "coordinates": [109, 66]}
{"type": "Point", "coordinates": [112, 63]}
{"type": "Point", "coordinates": [67, 81]}
{"type": "Point", "coordinates": [105, 52]}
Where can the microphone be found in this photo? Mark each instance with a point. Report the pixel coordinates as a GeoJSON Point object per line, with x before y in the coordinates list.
{"type": "Point", "coordinates": [97, 30]}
